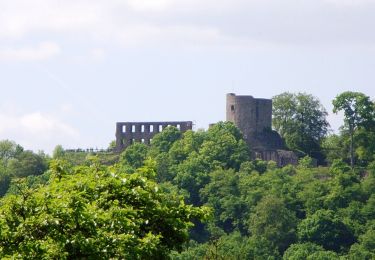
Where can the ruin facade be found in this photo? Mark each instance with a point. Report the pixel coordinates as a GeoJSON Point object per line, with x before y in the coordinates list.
{"type": "Point", "coordinates": [129, 132]}
{"type": "Point", "coordinates": [253, 116]}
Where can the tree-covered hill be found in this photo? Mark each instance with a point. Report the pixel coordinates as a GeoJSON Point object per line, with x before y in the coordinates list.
{"type": "Point", "coordinates": [199, 195]}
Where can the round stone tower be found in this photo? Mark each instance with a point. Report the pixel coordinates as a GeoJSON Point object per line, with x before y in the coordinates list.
{"type": "Point", "coordinates": [251, 115]}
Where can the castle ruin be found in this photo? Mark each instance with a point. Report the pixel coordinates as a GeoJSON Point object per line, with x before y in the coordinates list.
{"type": "Point", "coordinates": [253, 116]}
{"type": "Point", "coordinates": [129, 132]}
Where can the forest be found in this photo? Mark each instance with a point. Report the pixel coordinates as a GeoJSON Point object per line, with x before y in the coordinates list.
{"type": "Point", "coordinates": [199, 194]}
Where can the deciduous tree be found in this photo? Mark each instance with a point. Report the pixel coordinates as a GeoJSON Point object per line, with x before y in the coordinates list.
{"type": "Point", "coordinates": [302, 121]}
{"type": "Point", "coordinates": [358, 110]}
{"type": "Point", "coordinates": [95, 212]}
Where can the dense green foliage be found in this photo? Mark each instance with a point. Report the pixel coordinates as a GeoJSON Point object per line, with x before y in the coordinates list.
{"type": "Point", "coordinates": [149, 201]}
{"type": "Point", "coordinates": [80, 157]}
{"type": "Point", "coordinates": [94, 212]}
{"type": "Point", "coordinates": [301, 121]}
{"type": "Point", "coordinates": [359, 114]}
{"type": "Point", "coordinates": [297, 212]}
{"type": "Point", "coordinates": [15, 162]}
{"type": "Point", "coordinates": [259, 210]}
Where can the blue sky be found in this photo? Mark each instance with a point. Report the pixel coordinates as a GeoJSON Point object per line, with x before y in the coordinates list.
{"type": "Point", "coordinates": [69, 70]}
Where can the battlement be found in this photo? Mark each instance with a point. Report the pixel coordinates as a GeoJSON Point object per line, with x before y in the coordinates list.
{"type": "Point", "coordinates": [129, 132]}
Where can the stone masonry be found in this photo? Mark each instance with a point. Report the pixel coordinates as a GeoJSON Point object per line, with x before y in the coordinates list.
{"type": "Point", "coordinates": [253, 116]}
{"type": "Point", "coordinates": [130, 132]}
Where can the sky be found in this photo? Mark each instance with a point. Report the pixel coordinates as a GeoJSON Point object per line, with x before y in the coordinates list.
{"type": "Point", "coordinates": [71, 69]}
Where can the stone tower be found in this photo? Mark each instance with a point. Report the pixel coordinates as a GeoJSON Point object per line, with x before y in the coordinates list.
{"type": "Point", "coordinates": [253, 116]}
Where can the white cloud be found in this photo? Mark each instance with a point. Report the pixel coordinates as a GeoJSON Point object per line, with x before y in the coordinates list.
{"type": "Point", "coordinates": [36, 130]}
{"type": "Point", "coordinates": [38, 124]}
{"type": "Point", "coordinates": [43, 51]}
{"type": "Point", "coordinates": [118, 21]}
{"type": "Point", "coordinates": [22, 17]}
{"type": "Point", "coordinates": [181, 23]}
{"type": "Point", "coordinates": [150, 4]}
{"type": "Point", "coordinates": [136, 35]}
{"type": "Point", "coordinates": [351, 3]}
{"type": "Point", "coordinates": [98, 54]}
{"type": "Point", "coordinates": [66, 108]}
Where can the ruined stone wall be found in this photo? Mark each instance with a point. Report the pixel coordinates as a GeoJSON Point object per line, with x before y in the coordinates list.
{"type": "Point", "coordinates": [281, 157]}
{"type": "Point", "coordinates": [129, 132]}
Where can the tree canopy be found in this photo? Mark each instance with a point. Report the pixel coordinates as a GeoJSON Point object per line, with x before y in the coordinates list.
{"type": "Point", "coordinates": [359, 112]}
{"type": "Point", "coordinates": [195, 195]}
{"type": "Point", "coordinates": [302, 121]}
{"type": "Point", "coordinates": [15, 162]}
{"type": "Point", "coordinates": [95, 212]}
